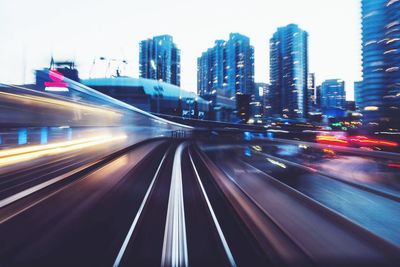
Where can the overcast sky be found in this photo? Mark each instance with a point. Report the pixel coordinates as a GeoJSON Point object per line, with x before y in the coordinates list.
{"type": "Point", "coordinates": [32, 31]}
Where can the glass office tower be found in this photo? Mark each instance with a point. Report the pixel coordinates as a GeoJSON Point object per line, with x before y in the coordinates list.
{"type": "Point", "coordinates": [380, 92]}
{"type": "Point", "coordinates": [211, 69]}
{"type": "Point", "coordinates": [289, 72]}
{"type": "Point", "coordinates": [240, 64]}
{"type": "Point", "coordinates": [333, 94]}
{"type": "Point", "coordinates": [357, 95]}
{"type": "Point", "coordinates": [159, 59]}
{"type": "Point", "coordinates": [229, 66]}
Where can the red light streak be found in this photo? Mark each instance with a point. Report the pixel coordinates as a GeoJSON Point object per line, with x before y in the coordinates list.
{"type": "Point", "coordinates": [394, 165]}
{"type": "Point", "coordinates": [365, 141]}
{"type": "Point", "coordinates": [332, 140]}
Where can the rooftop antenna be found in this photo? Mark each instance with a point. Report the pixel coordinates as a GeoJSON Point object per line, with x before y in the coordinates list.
{"type": "Point", "coordinates": [51, 61]}
{"type": "Point", "coordinates": [73, 59]}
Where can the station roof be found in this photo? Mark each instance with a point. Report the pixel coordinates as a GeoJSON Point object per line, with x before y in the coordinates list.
{"type": "Point", "coordinates": [151, 87]}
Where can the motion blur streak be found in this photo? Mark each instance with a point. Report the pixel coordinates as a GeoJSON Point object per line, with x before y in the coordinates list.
{"type": "Point", "coordinates": [175, 245]}
{"type": "Point", "coordinates": [394, 165]}
{"type": "Point", "coordinates": [55, 102]}
{"type": "Point", "coordinates": [331, 140]}
{"type": "Point", "coordinates": [363, 140]}
{"type": "Point", "coordinates": [277, 163]}
{"type": "Point", "coordinates": [23, 154]}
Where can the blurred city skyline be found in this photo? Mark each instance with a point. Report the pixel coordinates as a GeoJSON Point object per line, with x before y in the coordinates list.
{"type": "Point", "coordinates": [113, 29]}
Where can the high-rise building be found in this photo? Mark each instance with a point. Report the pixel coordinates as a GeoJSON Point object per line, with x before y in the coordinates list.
{"type": "Point", "coordinates": [357, 95]}
{"type": "Point", "coordinates": [218, 68]}
{"type": "Point", "coordinates": [160, 59]}
{"type": "Point", "coordinates": [211, 69]}
{"type": "Point", "coordinates": [226, 71]}
{"type": "Point", "coordinates": [333, 95]}
{"type": "Point", "coordinates": [204, 81]}
{"type": "Point", "coordinates": [380, 93]}
{"type": "Point", "coordinates": [229, 65]}
{"type": "Point", "coordinates": [311, 97]}
{"type": "Point", "coordinates": [318, 97]}
{"type": "Point", "coordinates": [289, 72]}
{"type": "Point", "coordinates": [239, 64]}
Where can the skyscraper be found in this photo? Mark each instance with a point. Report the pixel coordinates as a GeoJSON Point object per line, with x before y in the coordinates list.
{"type": "Point", "coordinates": [380, 92]}
{"type": "Point", "coordinates": [311, 98]}
{"type": "Point", "coordinates": [159, 59]}
{"type": "Point", "coordinates": [218, 68]}
{"type": "Point", "coordinates": [333, 94]}
{"type": "Point", "coordinates": [239, 64]}
{"type": "Point", "coordinates": [289, 72]}
{"type": "Point", "coordinates": [211, 69]}
{"type": "Point", "coordinates": [318, 97]}
{"type": "Point", "coordinates": [204, 80]}
{"type": "Point", "coordinates": [357, 95]}
{"type": "Point", "coordinates": [225, 75]}
{"type": "Point", "coordinates": [229, 65]}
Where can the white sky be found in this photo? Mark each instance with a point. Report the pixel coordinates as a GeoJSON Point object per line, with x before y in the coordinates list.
{"type": "Point", "coordinates": [32, 30]}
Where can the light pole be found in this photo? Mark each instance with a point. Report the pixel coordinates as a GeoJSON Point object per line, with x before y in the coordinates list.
{"type": "Point", "coordinates": [108, 62]}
